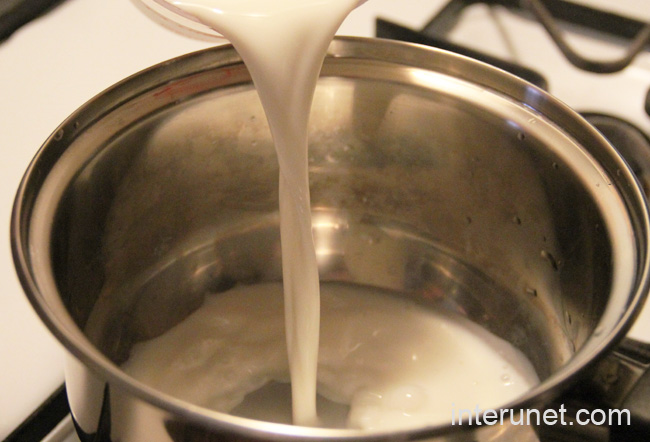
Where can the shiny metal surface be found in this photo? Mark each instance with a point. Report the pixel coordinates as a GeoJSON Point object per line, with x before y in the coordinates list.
{"type": "Point", "coordinates": [432, 175]}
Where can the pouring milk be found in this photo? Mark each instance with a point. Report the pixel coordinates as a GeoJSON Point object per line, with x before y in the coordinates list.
{"type": "Point", "coordinates": [283, 44]}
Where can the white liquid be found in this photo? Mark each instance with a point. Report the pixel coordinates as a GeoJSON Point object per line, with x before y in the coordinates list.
{"type": "Point", "coordinates": [283, 43]}
{"type": "Point", "coordinates": [397, 365]}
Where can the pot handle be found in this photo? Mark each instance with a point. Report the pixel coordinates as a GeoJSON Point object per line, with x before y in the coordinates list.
{"type": "Point", "coordinates": [619, 382]}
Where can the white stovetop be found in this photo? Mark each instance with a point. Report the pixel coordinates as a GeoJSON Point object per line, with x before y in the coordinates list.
{"type": "Point", "coordinates": [49, 68]}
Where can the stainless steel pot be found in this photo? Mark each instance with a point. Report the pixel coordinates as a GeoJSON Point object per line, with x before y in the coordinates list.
{"type": "Point", "coordinates": [432, 175]}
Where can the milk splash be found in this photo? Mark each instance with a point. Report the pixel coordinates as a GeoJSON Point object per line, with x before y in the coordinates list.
{"type": "Point", "coordinates": [283, 44]}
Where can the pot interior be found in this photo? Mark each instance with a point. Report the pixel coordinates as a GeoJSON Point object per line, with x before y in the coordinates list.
{"type": "Point", "coordinates": [424, 183]}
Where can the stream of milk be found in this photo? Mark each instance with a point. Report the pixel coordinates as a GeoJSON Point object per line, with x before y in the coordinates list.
{"type": "Point", "coordinates": [283, 44]}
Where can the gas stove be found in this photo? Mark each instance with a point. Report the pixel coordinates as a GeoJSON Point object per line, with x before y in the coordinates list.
{"type": "Point", "coordinates": [83, 46]}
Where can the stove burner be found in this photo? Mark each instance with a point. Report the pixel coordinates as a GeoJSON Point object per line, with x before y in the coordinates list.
{"type": "Point", "coordinates": [547, 19]}
{"type": "Point", "coordinates": [548, 13]}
